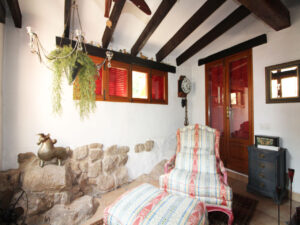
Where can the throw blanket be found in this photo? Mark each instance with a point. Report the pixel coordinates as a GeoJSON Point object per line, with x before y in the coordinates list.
{"type": "Point", "coordinates": [147, 204]}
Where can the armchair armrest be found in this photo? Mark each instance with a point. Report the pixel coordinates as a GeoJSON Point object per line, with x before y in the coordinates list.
{"type": "Point", "coordinates": [170, 164]}
{"type": "Point", "coordinates": [223, 172]}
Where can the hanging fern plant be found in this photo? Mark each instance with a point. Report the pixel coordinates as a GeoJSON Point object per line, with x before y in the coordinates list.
{"type": "Point", "coordinates": [76, 64]}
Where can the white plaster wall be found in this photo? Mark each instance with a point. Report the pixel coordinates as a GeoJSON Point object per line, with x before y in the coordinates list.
{"type": "Point", "coordinates": [27, 98]}
{"type": "Point", "coordinates": [1, 55]}
{"type": "Point", "coordinates": [269, 119]}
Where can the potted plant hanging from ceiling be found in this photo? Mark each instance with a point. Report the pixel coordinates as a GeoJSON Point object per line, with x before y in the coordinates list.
{"type": "Point", "coordinates": [79, 65]}
{"type": "Point", "coordinates": [71, 62]}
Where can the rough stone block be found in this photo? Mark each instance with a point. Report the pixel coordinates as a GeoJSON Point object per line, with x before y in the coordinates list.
{"type": "Point", "coordinates": [95, 169]}
{"type": "Point", "coordinates": [139, 148]}
{"type": "Point", "coordinates": [110, 163]}
{"type": "Point", "coordinates": [123, 149]}
{"type": "Point", "coordinates": [149, 145]}
{"type": "Point", "coordinates": [24, 157]}
{"type": "Point", "coordinates": [111, 150]}
{"type": "Point", "coordinates": [9, 180]}
{"type": "Point", "coordinates": [95, 154]}
{"type": "Point", "coordinates": [121, 176]}
{"type": "Point", "coordinates": [84, 166]}
{"type": "Point", "coordinates": [76, 213]}
{"type": "Point", "coordinates": [105, 183]}
{"type": "Point", "coordinates": [48, 178]}
{"type": "Point", "coordinates": [123, 158]}
{"type": "Point", "coordinates": [96, 145]}
{"type": "Point", "coordinates": [81, 152]}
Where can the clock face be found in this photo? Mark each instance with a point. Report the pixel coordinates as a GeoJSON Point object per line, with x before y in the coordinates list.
{"type": "Point", "coordinates": [186, 85]}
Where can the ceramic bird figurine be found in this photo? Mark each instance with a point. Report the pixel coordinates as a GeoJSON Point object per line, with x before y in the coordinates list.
{"type": "Point", "coordinates": [47, 151]}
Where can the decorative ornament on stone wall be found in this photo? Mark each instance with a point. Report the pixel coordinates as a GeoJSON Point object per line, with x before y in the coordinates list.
{"type": "Point", "coordinates": [47, 151]}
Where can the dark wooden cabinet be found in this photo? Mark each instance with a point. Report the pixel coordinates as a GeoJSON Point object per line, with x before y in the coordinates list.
{"type": "Point", "coordinates": [266, 172]}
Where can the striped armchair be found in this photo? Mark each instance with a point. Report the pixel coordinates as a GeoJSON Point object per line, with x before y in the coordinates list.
{"type": "Point", "coordinates": [197, 170]}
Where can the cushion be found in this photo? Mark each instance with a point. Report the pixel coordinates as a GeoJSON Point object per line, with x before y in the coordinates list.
{"type": "Point", "coordinates": [206, 187]}
{"type": "Point", "coordinates": [147, 204]}
{"type": "Point", "coordinates": [194, 141]}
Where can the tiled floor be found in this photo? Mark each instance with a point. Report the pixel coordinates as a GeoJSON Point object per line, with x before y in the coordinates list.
{"type": "Point", "coordinates": [265, 213]}
{"type": "Point", "coordinates": [266, 209]}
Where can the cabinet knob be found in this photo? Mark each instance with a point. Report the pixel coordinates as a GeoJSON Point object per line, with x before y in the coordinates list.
{"type": "Point", "coordinates": [262, 165]}
{"type": "Point", "coordinates": [261, 155]}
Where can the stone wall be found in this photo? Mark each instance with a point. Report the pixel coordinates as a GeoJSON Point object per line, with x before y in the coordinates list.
{"type": "Point", "coordinates": [97, 171]}
{"type": "Point", "coordinates": [69, 189]}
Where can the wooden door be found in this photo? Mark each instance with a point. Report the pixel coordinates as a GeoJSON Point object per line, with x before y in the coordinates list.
{"type": "Point", "coordinates": [229, 107]}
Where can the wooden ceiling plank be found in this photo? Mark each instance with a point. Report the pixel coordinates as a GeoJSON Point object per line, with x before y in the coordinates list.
{"type": "Point", "coordinates": [114, 18]}
{"type": "Point", "coordinates": [207, 9]}
{"type": "Point", "coordinates": [235, 17]}
{"type": "Point", "coordinates": [274, 13]}
{"type": "Point", "coordinates": [2, 12]}
{"type": "Point", "coordinates": [163, 9]}
{"type": "Point", "coordinates": [15, 12]}
{"type": "Point", "coordinates": [67, 18]}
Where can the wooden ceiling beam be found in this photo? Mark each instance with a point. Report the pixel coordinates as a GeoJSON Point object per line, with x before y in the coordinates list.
{"type": "Point", "coordinates": [15, 12]}
{"type": "Point", "coordinates": [67, 18]}
{"type": "Point", "coordinates": [235, 17]}
{"type": "Point", "coordinates": [274, 13]}
{"type": "Point", "coordinates": [119, 56]}
{"type": "Point", "coordinates": [114, 18]}
{"type": "Point", "coordinates": [198, 18]}
{"type": "Point", "coordinates": [259, 40]}
{"type": "Point", "coordinates": [2, 12]}
{"type": "Point", "coordinates": [163, 9]}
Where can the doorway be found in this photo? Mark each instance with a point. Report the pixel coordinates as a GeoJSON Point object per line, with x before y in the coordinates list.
{"type": "Point", "coordinates": [229, 107]}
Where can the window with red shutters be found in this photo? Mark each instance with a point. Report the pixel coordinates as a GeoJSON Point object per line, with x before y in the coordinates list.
{"type": "Point", "coordinates": [98, 81]}
{"type": "Point", "coordinates": [159, 86]}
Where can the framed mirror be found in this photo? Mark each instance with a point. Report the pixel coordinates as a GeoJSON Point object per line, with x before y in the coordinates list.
{"type": "Point", "coordinates": [282, 83]}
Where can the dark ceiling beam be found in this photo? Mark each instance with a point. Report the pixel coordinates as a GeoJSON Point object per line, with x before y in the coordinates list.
{"type": "Point", "coordinates": [119, 56]}
{"type": "Point", "coordinates": [235, 17]}
{"type": "Point", "coordinates": [15, 12]}
{"type": "Point", "coordinates": [114, 17]}
{"type": "Point", "coordinates": [198, 18]}
{"type": "Point", "coordinates": [67, 18]}
{"type": "Point", "coordinates": [163, 9]}
{"type": "Point", "coordinates": [2, 12]}
{"type": "Point", "coordinates": [274, 13]}
{"type": "Point", "coordinates": [259, 40]}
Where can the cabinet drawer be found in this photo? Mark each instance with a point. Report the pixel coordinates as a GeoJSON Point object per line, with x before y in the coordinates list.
{"type": "Point", "coordinates": [265, 155]}
{"type": "Point", "coordinates": [265, 175]}
{"type": "Point", "coordinates": [264, 185]}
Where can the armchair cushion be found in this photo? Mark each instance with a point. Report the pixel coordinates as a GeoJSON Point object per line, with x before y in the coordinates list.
{"type": "Point", "coordinates": [206, 187]}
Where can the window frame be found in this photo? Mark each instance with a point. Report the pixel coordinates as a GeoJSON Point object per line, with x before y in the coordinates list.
{"type": "Point", "coordinates": [105, 83]}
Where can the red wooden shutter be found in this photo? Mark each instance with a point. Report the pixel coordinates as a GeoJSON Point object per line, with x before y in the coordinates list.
{"type": "Point", "coordinates": [118, 78]}
{"type": "Point", "coordinates": [98, 81]}
{"type": "Point", "coordinates": [158, 87]}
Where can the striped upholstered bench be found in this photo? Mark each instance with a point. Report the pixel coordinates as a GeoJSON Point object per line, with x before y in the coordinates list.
{"type": "Point", "coordinates": [147, 204]}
